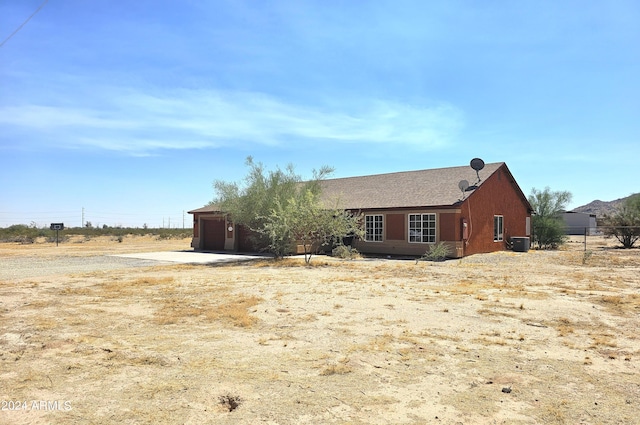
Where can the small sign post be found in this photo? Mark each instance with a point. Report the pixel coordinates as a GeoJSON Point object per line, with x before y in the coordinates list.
{"type": "Point", "coordinates": [57, 227]}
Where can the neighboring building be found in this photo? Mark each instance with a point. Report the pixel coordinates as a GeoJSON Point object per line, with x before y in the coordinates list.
{"type": "Point", "coordinates": [579, 223]}
{"type": "Point", "coordinates": [407, 212]}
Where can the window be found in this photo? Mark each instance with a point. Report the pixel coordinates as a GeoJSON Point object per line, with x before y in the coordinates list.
{"type": "Point", "coordinates": [373, 228]}
{"type": "Point", "coordinates": [422, 228]}
{"type": "Point", "coordinates": [498, 228]}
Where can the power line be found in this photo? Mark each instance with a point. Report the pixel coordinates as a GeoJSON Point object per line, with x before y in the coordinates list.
{"type": "Point", "coordinates": [38, 212]}
{"type": "Point", "coordinates": [94, 216]}
{"type": "Point", "coordinates": [24, 23]}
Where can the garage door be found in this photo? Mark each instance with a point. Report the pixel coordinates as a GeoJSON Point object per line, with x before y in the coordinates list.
{"type": "Point", "coordinates": [213, 235]}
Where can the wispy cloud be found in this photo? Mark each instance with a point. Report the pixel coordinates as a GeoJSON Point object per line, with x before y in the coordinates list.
{"type": "Point", "coordinates": [141, 123]}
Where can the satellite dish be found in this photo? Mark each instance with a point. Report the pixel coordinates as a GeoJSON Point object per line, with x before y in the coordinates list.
{"type": "Point", "coordinates": [463, 185]}
{"type": "Point", "coordinates": [477, 164]}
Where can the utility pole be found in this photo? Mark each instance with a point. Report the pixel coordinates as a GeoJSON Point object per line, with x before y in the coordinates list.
{"type": "Point", "coordinates": [82, 221]}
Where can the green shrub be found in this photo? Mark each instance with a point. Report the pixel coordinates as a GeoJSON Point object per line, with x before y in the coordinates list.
{"type": "Point", "coordinates": [547, 222]}
{"type": "Point", "coordinates": [59, 239]}
{"type": "Point", "coordinates": [437, 252]}
{"type": "Point", "coordinates": [345, 252]}
{"type": "Point", "coordinates": [21, 233]}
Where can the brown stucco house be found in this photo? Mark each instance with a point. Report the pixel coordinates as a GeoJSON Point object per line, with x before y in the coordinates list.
{"type": "Point", "coordinates": [471, 210]}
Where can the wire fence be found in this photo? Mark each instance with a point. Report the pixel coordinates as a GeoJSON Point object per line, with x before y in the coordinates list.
{"type": "Point", "coordinates": [594, 237]}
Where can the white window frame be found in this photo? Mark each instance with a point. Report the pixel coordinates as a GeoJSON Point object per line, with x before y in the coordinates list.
{"type": "Point", "coordinates": [420, 233]}
{"type": "Point", "coordinates": [374, 228]}
{"type": "Point", "coordinates": [498, 228]}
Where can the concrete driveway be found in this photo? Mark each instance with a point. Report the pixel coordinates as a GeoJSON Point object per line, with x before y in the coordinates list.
{"type": "Point", "coordinates": [193, 257]}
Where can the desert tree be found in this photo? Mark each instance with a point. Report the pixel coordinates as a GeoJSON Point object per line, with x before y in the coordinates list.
{"type": "Point", "coordinates": [548, 226]}
{"type": "Point", "coordinates": [624, 224]}
{"type": "Point", "coordinates": [282, 209]}
{"type": "Point", "coordinates": [305, 219]}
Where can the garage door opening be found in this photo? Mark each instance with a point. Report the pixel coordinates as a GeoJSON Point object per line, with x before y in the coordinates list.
{"type": "Point", "coordinates": [212, 234]}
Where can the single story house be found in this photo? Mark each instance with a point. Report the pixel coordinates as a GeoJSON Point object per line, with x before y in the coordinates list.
{"type": "Point", "coordinates": [577, 223]}
{"type": "Point", "coordinates": [472, 210]}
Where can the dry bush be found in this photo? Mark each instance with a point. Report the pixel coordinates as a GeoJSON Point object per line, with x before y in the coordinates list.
{"type": "Point", "coordinates": [229, 402]}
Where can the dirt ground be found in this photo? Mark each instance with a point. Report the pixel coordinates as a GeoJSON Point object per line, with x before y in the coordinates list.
{"type": "Point", "coordinates": [502, 338]}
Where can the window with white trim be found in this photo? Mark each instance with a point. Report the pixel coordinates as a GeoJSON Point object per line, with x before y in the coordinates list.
{"type": "Point", "coordinates": [422, 228]}
{"type": "Point", "coordinates": [373, 228]}
{"type": "Point", "coordinates": [498, 228]}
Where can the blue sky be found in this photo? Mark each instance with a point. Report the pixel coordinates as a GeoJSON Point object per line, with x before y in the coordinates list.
{"type": "Point", "coordinates": [130, 110]}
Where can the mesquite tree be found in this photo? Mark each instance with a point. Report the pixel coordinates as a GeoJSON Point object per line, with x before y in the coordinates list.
{"type": "Point", "coordinates": [283, 210]}
{"type": "Point", "coordinates": [548, 226]}
{"type": "Point", "coordinates": [624, 225]}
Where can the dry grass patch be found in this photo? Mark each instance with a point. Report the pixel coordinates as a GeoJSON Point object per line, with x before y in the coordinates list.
{"type": "Point", "coordinates": [490, 338]}
{"type": "Point", "coordinates": [342, 367]}
{"type": "Point", "coordinates": [378, 343]}
{"type": "Point", "coordinates": [440, 336]}
{"type": "Point", "coordinates": [116, 287]}
{"type": "Point", "coordinates": [295, 262]}
{"type": "Point", "coordinates": [236, 311]}
{"type": "Point", "coordinates": [151, 281]}
{"type": "Point", "coordinates": [600, 340]}
{"type": "Point", "coordinates": [390, 355]}
{"type": "Point", "coordinates": [623, 304]}
{"type": "Point", "coordinates": [564, 326]}
{"type": "Point", "coordinates": [495, 311]}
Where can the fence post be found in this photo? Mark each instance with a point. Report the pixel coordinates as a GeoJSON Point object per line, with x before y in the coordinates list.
{"type": "Point", "coordinates": [585, 239]}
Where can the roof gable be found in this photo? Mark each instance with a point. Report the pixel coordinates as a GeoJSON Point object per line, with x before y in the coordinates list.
{"type": "Point", "coordinates": [206, 209]}
{"type": "Point", "coordinates": [422, 188]}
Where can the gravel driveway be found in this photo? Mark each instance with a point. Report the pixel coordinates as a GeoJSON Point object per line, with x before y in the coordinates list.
{"type": "Point", "coordinates": [30, 267]}
{"type": "Point", "coordinates": [33, 266]}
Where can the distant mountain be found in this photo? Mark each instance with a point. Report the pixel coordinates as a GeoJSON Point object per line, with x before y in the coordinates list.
{"type": "Point", "coordinates": [600, 208]}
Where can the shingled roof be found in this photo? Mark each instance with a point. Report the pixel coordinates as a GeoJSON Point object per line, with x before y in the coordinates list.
{"type": "Point", "coordinates": [422, 188]}
{"type": "Point", "coordinates": [206, 209]}
{"type": "Point", "coordinates": [435, 187]}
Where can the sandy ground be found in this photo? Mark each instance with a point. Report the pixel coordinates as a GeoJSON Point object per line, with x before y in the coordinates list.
{"type": "Point", "coordinates": [503, 338]}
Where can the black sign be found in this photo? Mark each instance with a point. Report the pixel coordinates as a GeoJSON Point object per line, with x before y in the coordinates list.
{"type": "Point", "coordinates": [57, 226]}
